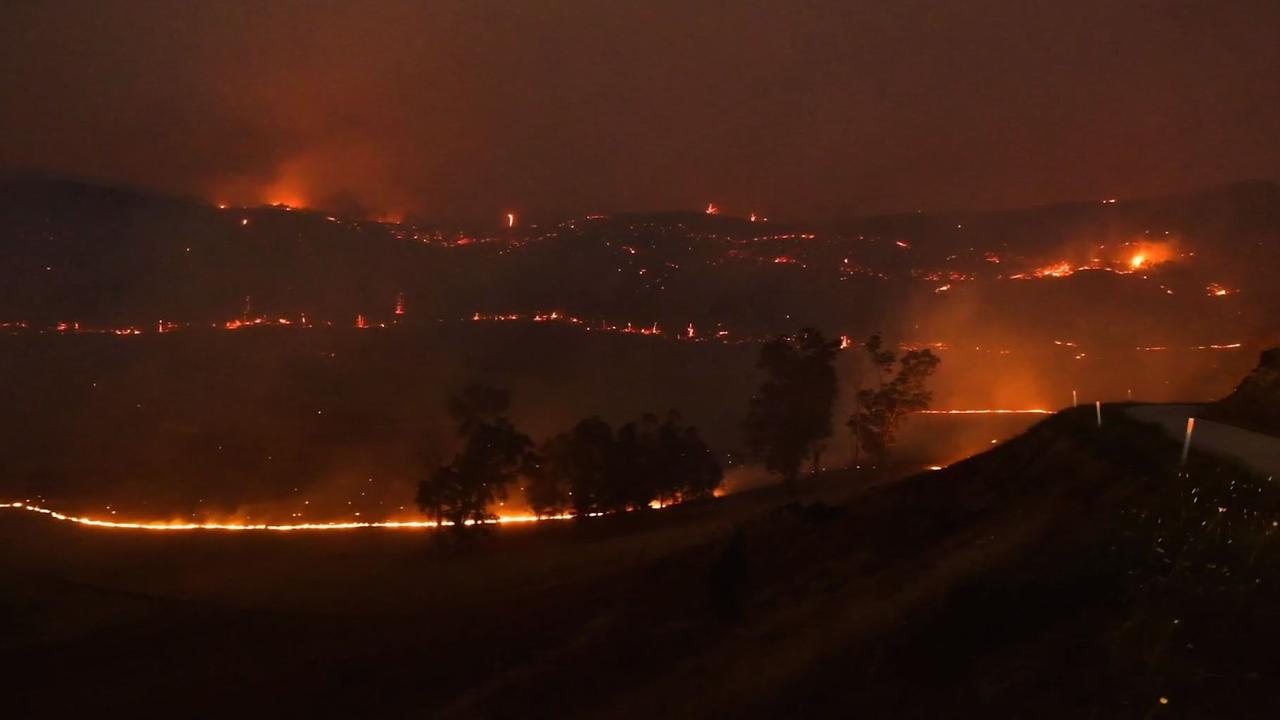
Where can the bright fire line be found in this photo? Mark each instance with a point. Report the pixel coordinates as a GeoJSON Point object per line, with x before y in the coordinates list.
{"type": "Point", "coordinates": [171, 526]}
{"type": "Point", "coordinates": [1033, 411]}
{"type": "Point", "coordinates": [389, 524]}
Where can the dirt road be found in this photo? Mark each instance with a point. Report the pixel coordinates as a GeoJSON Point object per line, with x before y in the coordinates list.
{"type": "Point", "coordinates": [1258, 452]}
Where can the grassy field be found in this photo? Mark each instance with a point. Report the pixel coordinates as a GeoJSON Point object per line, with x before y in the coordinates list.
{"type": "Point", "coordinates": [355, 620]}
{"type": "Point", "coordinates": [1071, 572]}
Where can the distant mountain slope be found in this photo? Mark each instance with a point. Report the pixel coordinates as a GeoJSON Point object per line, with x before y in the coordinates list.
{"type": "Point", "coordinates": [71, 252]}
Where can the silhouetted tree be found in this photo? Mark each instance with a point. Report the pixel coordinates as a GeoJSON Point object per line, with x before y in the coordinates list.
{"type": "Point", "coordinates": [635, 469]}
{"type": "Point", "coordinates": [790, 415]}
{"type": "Point", "coordinates": [492, 455]}
{"type": "Point", "coordinates": [476, 404]}
{"type": "Point", "coordinates": [577, 464]}
{"type": "Point", "coordinates": [881, 410]}
{"type": "Point", "coordinates": [684, 467]}
{"type": "Point", "coordinates": [593, 469]}
{"type": "Point", "coordinates": [433, 493]}
{"type": "Point", "coordinates": [547, 492]}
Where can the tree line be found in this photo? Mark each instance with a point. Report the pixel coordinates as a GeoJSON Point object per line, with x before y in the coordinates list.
{"type": "Point", "coordinates": [591, 469]}
{"type": "Point", "coordinates": [594, 469]}
{"type": "Point", "coordinates": [790, 417]}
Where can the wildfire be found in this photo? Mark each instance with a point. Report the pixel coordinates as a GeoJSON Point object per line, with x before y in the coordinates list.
{"type": "Point", "coordinates": [1059, 269]}
{"type": "Point", "coordinates": [1032, 411]}
{"type": "Point", "coordinates": [1142, 255]}
{"type": "Point", "coordinates": [273, 527]}
{"type": "Point", "coordinates": [235, 526]}
{"type": "Point", "coordinates": [1150, 254]}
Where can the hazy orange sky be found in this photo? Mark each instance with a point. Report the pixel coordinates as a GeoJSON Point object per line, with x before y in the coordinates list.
{"type": "Point", "coordinates": [466, 109]}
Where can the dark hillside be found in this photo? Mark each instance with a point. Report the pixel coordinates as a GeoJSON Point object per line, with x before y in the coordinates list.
{"type": "Point", "coordinates": [1070, 573]}
{"type": "Point", "coordinates": [78, 253]}
{"type": "Point", "coordinates": [1255, 403]}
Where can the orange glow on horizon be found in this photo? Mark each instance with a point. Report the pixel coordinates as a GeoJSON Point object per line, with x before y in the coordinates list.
{"type": "Point", "coordinates": [286, 190]}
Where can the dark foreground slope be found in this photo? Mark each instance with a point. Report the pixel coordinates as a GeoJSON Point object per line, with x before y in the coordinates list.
{"type": "Point", "coordinates": [1072, 572]}
{"type": "Point", "coordinates": [1255, 403]}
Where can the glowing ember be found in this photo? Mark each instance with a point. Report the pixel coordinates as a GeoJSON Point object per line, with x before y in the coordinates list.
{"type": "Point", "coordinates": [1216, 290]}
{"type": "Point", "coordinates": [712, 209]}
{"type": "Point", "coordinates": [511, 220]}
